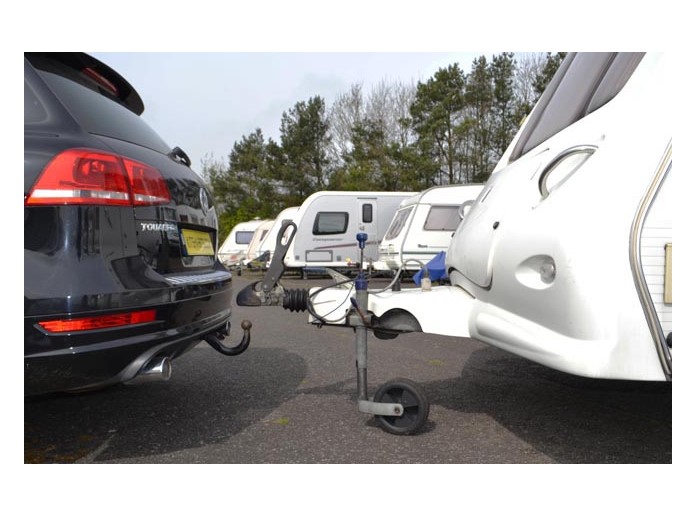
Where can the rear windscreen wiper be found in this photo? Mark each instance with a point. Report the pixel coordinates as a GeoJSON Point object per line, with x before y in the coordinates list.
{"type": "Point", "coordinates": [178, 154]}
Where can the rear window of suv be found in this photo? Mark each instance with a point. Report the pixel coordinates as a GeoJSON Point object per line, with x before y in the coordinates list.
{"type": "Point", "coordinates": [98, 114]}
{"type": "Point", "coordinates": [34, 111]}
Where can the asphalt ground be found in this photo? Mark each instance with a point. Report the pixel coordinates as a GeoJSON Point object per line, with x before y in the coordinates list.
{"type": "Point", "coordinates": [291, 398]}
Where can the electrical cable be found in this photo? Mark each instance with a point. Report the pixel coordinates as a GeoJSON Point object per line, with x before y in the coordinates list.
{"type": "Point", "coordinates": [397, 275]}
{"type": "Point", "coordinates": [322, 319]}
{"type": "Point", "coordinates": [310, 306]}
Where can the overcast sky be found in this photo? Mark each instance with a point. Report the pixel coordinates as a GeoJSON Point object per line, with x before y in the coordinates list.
{"type": "Point", "coordinates": [203, 102]}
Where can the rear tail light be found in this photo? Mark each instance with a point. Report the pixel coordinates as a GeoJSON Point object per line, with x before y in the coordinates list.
{"type": "Point", "coordinates": [84, 176]}
{"type": "Point", "coordinates": [99, 322]}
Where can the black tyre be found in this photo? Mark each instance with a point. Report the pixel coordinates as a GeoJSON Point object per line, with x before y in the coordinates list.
{"type": "Point", "coordinates": [411, 397]}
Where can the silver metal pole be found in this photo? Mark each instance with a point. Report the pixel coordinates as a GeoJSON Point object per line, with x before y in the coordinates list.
{"type": "Point", "coordinates": [361, 346]}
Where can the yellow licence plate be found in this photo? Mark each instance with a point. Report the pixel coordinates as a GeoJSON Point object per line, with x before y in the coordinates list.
{"type": "Point", "coordinates": [197, 243]}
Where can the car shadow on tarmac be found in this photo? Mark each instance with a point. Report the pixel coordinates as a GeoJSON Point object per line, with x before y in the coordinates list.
{"type": "Point", "coordinates": [201, 404]}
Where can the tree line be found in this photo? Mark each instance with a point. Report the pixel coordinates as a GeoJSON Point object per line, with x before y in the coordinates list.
{"type": "Point", "coordinates": [450, 129]}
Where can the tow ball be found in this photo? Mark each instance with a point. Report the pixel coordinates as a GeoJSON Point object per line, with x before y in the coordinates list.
{"type": "Point", "coordinates": [399, 406]}
{"type": "Point", "coordinates": [215, 340]}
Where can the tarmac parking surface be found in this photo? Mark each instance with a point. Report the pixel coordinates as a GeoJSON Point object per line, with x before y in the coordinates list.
{"type": "Point", "coordinates": [291, 398]}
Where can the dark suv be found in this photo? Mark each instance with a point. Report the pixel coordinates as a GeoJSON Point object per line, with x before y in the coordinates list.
{"type": "Point", "coordinates": [120, 236]}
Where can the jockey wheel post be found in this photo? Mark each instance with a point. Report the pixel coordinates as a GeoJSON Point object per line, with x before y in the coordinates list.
{"type": "Point", "coordinates": [399, 405]}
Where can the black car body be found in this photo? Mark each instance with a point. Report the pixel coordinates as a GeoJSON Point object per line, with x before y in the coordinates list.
{"type": "Point", "coordinates": [120, 268]}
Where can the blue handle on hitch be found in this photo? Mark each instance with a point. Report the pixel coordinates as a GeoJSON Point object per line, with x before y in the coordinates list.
{"type": "Point", "coordinates": [362, 238]}
{"type": "Point", "coordinates": [361, 281]}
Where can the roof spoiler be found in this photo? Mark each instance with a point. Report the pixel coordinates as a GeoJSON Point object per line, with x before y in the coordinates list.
{"type": "Point", "coordinates": [106, 79]}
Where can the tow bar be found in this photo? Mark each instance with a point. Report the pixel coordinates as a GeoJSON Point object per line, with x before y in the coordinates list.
{"type": "Point", "coordinates": [215, 340]}
{"type": "Point", "coordinates": [399, 406]}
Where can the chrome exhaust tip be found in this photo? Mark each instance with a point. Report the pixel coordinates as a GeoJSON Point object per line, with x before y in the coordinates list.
{"type": "Point", "coordinates": [158, 369]}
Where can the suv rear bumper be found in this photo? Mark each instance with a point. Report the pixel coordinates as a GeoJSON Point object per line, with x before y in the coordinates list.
{"type": "Point", "coordinates": [94, 359]}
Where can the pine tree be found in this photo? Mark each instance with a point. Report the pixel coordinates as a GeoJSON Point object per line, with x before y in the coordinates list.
{"type": "Point", "coordinates": [503, 112]}
{"type": "Point", "coordinates": [479, 103]}
{"type": "Point", "coordinates": [436, 112]}
{"type": "Point", "coordinates": [553, 61]}
{"type": "Point", "coordinates": [302, 160]}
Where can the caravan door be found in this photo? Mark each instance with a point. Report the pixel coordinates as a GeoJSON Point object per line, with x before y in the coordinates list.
{"type": "Point", "coordinates": [367, 223]}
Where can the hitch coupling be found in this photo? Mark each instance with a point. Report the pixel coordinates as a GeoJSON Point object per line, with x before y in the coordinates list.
{"type": "Point", "coordinates": [293, 299]}
{"type": "Point", "coordinates": [215, 339]}
{"type": "Point", "coordinates": [268, 291]}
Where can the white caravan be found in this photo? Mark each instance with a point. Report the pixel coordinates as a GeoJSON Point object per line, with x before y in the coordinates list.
{"type": "Point", "coordinates": [423, 226]}
{"type": "Point", "coordinates": [328, 221]}
{"type": "Point", "coordinates": [269, 242]}
{"type": "Point", "coordinates": [258, 237]}
{"type": "Point", "coordinates": [566, 256]}
{"type": "Point", "coordinates": [234, 248]}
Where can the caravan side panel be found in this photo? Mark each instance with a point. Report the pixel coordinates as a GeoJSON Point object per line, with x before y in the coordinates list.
{"type": "Point", "coordinates": [328, 222]}
{"type": "Point", "coordinates": [548, 248]}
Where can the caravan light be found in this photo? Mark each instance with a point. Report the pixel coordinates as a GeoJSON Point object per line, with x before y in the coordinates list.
{"type": "Point", "coordinates": [537, 272]}
{"type": "Point", "coordinates": [547, 271]}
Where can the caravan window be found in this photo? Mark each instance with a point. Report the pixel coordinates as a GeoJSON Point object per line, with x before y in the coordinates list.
{"type": "Point", "coordinates": [330, 223]}
{"type": "Point", "coordinates": [616, 77]}
{"type": "Point", "coordinates": [398, 223]}
{"type": "Point", "coordinates": [442, 218]}
{"type": "Point", "coordinates": [583, 83]}
{"type": "Point", "coordinates": [367, 213]}
{"type": "Point", "coordinates": [243, 237]}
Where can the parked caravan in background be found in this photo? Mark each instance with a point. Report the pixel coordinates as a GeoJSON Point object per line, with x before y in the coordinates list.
{"type": "Point", "coordinates": [328, 221]}
{"type": "Point", "coordinates": [258, 237]}
{"type": "Point", "coordinates": [565, 258]}
{"type": "Point", "coordinates": [234, 248]}
{"type": "Point", "coordinates": [268, 244]}
{"type": "Point", "coordinates": [423, 226]}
